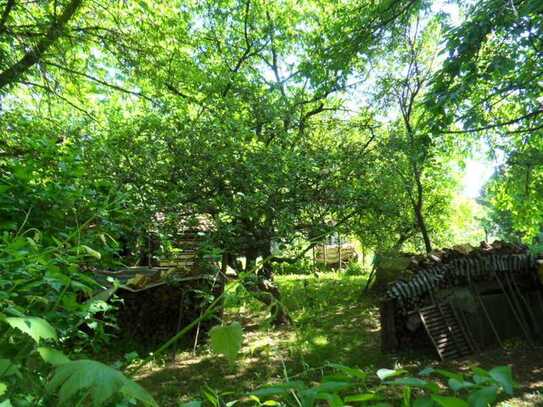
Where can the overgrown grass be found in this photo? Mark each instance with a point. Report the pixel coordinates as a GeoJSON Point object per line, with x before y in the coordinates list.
{"type": "Point", "coordinates": [333, 322]}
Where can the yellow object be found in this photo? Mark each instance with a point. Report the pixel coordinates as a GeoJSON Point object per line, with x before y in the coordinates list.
{"type": "Point", "coordinates": [138, 281]}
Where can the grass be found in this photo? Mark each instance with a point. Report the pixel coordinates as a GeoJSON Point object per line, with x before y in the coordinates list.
{"type": "Point", "coordinates": [333, 322]}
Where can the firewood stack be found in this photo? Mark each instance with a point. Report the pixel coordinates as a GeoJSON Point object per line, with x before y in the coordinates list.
{"type": "Point", "coordinates": [156, 302]}
{"type": "Point", "coordinates": [426, 276]}
{"type": "Point", "coordinates": [151, 316]}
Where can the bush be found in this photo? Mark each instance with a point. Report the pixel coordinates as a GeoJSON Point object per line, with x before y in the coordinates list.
{"type": "Point", "coordinates": [355, 269]}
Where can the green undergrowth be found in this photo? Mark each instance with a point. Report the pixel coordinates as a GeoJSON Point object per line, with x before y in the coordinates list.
{"type": "Point", "coordinates": [333, 322]}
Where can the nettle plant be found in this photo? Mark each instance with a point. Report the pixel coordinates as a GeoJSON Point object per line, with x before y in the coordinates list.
{"type": "Point", "coordinates": [47, 308]}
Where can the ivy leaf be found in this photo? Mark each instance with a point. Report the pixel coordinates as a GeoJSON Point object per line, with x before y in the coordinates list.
{"type": "Point", "coordinates": [53, 356]}
{"type": "Point", "coordinates": [227, 340]}
{"type": "Point", "coordinates": [101, 381]}
{"type": "Point", "coordinates": [36, 328]}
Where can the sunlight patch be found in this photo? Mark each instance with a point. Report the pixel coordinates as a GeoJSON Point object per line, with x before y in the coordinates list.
{"type": "Point", "coordinates": [320, 340]}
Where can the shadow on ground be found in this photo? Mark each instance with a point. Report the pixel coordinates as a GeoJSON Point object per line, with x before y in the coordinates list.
{"type": "Point", "coordinates": [333, 322]}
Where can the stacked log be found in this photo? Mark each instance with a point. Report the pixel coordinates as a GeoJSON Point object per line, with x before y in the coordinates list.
{"type": "Point", "coordinates": [426, 276]}
{"type": "Point", "coordinates": [151, 316]}
{"type": "Point", "coordinates": [455, 267]}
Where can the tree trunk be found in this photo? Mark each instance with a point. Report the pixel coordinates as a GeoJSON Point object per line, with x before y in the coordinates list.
{"type": "Point", "coordinates": [266, 284]}
{"type": "Point", "coordinates": [422, 227]}
{"type": "Point", "coordinates": [417, 207]}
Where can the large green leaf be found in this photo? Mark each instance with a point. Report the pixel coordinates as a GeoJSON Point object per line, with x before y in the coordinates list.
{"type": "Point", "coordinates": [504, 376]}
{"type": "Point", "coordinates": [37, 328]}
{"type": "Point", "coordinates": [227, 340]}
{"type": "Point", "coordinates": [53, 356]}
{"type": "Point", "coordinates": [3, 388]}
{"type": "Point", "coordinates": [483, 397]}
{"type": "Point", "coordinates": [100, 381]}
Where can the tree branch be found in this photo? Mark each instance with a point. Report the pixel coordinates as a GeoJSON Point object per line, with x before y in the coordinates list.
{"type": "Point", "coordinates": [5, 14]}
{"type": "Point", "coordinates": [32, 56]}
{"type": "Point", "coordinates": [100, 81]}
{"type": "Point", "coordinates": [501, 124]}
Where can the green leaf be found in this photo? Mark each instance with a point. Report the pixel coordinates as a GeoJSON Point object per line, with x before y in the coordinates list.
{"type": "Point", "coordinates": [92, 252]}
{"type": "Point", "coordinates": [278, 389]}
{"type": "Point", "coordinates": [333, 387]}
{"type": "Point", "coordinates": [362, 397]}
{"type": "Point", "coordinates": [333, 399]}
{"type": "Point", "coordinates": [483, 397]}
{"type": "Point", "coordinates": [227, 340]}
{"type": "Point", "coordinates": [449, 375]}
{"type": "Point", "coordinates": [8, 368]}
{"type": "Point", "coordinates": [192, 403]}
{"type": "Point", "coordinates": [53, 356]}
{"type": "Point", "coordinates": [423, 402]}
{"type": "Point", "coordinates": [101, 381]}
{"type": "Point", "coordinates": [414, 382]}
{"type": "Point", "coordinates": [449, 401]}
{"type": "Point", "coordinates": [504, 376]}
{"type": "Point", "coordinates": [3, 388]}
{"type": "Point", "coordinates": [408, 381]}
{"type": "Point", "coordinates": [37, 328]}
{"type": "Point", "coordinates": [353, 372]}
{"type": "Point", "coordinates": [426, 371]}
{"type": "Point", "coordinates": [457, 385]}
{"type": "Point", "coordinates": [6, 403]}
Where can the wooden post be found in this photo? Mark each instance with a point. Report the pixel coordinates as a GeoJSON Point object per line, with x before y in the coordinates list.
{"type": "Point", "coordinates": [324, 253]}
{"type": "Point", "coordinates": [314, 256]}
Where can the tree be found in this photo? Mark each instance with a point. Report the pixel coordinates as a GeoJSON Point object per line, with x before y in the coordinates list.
{"type": "Point", "coordinates": [489, 87]}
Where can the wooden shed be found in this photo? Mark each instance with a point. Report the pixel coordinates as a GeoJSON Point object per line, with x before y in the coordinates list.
{"type": "Point", "coordinates": [157, 302]}
{"type": "Point", "coordinates": [462, 301]}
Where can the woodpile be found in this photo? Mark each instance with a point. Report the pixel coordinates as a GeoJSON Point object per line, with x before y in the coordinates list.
{"type": "Point", "coordinates": [157, 302]}
{"type": "Point", "coordinates": [458, 276]}
{"type": "Point", "coordinates": [152, 315]}
{"type": "Point", "coordinates": [455, 267]}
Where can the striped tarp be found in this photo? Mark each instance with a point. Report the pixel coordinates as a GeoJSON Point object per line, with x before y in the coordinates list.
{"type": "Point", "coordinates": [456, 272]}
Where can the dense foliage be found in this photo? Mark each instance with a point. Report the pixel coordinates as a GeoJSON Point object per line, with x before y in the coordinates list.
{"type": "Point", "coordinates": [278, 123]}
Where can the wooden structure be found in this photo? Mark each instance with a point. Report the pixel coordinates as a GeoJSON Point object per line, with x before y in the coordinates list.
{"type": "Point", "coordinates": [459, 302]}
{"type": "Point", "coordinates": [157, 302]}
{"type": "Point", "coordinates": [335, 252]}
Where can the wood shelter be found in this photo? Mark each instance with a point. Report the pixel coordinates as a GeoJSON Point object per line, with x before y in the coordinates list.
{"type": "Point", "coordinates": [463, 300]}
{"type": "Point", "coordinates": [157, 302]}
